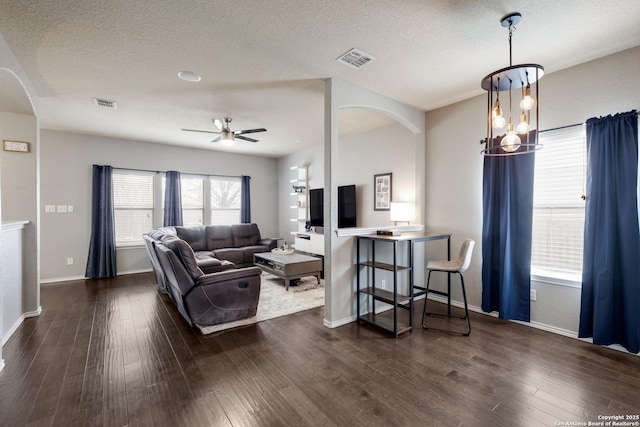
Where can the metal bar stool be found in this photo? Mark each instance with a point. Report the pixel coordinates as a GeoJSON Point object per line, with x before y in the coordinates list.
{"type": "Point", "coordinates": [459, 266]}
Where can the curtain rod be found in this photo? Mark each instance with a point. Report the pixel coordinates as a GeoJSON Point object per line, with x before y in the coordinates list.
{"type": "Point", "coordinates": [570, 126]}
{"type": "Point", "coordinates": [185, 173]}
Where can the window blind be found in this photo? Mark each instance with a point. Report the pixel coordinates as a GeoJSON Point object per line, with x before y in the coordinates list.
{"type": "Point", "coordinates": [558, 207]}
{"type": "Point", "coordinates": [225, 200]}
{"type": "Point", "coordinates": [133, 206]}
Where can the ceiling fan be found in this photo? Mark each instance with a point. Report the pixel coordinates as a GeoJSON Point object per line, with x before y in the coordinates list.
{"type": "Point", "coordinates": [228, 136]}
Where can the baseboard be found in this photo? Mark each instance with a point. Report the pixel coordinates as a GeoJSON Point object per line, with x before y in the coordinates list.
{"type": "Point", "coordinates": [340, 322]}
{"type": "Point", "coordinates": [18, 322]}
{"type": "Point", "coordinates": [12, 329]}
{"type": "Point", "coordinates": [542, 326]}
{"type": "Point", "coordinates": [61, 279]}
{"type": "Point", "coordinates": [74, 278]}
{"type": "Point", "coordinates": [36, 313]}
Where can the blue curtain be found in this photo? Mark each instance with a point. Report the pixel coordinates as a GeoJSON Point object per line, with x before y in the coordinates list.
{"type": "Point", "coordinates": [507, 233]}
{"type": "Point", "coordinates": [610, 311]}
{"type": "Point", "coordinates": [245, 201]}
{"type": "Point", "coordinates": [101, 261]}
{"type": "Point", "coordinates": [172, 200]}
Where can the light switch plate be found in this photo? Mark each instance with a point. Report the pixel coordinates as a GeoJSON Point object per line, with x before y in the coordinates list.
{"type": "Point", "coordinates": [70, 208]}
{"type": "Point", "coordinates": [50, 208]}
{"type": "Point", "coordinates": [62, 208]}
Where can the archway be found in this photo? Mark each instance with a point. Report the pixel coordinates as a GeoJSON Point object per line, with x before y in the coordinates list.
{"type": "Point", "coordinates": [19, 200]}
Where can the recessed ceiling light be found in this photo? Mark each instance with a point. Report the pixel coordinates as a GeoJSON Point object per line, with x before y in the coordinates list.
{"type": "Point", "coordinates": [189, 76]}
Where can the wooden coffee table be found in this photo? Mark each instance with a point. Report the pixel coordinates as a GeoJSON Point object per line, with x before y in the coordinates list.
{"type": "Point", "coordinates": [289, 267]}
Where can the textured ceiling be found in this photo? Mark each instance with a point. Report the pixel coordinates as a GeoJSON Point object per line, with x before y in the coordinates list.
{"type": "Point", "coordinates": [262, 62]}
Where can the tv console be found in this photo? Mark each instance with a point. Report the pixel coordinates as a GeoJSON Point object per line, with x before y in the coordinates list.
{"type": "Point", "coordinates": [309, 242]}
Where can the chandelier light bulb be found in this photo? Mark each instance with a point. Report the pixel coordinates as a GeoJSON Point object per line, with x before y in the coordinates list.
{"type": "Point", "coordinates": [511, 141]}
{"type": "Point", "coordinates": [523, 126]}
{"type": "Point", "coordinates": [527, 102]}
{"type": "Point", "coordinates": [498, 121]}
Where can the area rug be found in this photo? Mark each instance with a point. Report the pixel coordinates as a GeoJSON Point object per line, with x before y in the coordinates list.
{"type": "Point", "coordinates": [274, 302]}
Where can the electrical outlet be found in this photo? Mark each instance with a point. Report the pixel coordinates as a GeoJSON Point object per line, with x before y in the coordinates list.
{"type": "Point", "coordinates": [533, 294]}
{"type": "Point", "coordinates": [70, 261]}
{"type": "Point", "coordinates": [383, 284]}
{"type": "Point", "coordinates": [70, 209]}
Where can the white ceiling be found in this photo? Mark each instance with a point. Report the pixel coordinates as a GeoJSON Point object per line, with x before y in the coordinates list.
{"type": "Point", "coordinates": [262, 62]}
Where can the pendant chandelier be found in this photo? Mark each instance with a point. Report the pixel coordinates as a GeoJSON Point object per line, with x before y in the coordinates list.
{"type": "Point", "coordinates": [519, 80]}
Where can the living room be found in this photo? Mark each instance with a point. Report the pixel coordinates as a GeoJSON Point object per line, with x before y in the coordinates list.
{"type": "Point", "coordinates": [443, 178]}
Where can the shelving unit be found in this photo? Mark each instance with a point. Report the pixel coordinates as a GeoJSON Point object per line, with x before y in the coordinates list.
{"type": "Point", "coordinates": [390, 320]}
{"type": "Point", "coordinates": [299, 199]}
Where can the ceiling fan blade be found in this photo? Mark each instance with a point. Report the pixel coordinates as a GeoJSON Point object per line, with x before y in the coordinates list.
{"type": "Point", "coordinates": [217, 139]}
{"type": "Point", "coordinates": [245, 138]}
{"type": "Point", "coordinates": [240, 132]}
{"type": "Point", "coordinates": [218, 123]}
{"type": "Point", "coordinates": [198, 130]}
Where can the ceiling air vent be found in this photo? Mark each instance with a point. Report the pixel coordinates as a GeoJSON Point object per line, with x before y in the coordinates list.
{"type": "Point", "coordinates": [355, 58]}
{"type": "Point", "coordinates": [105, 103]}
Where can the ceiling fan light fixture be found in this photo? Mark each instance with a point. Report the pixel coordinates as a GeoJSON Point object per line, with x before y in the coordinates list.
{"type": "Point", "coordinates": [227, 138]}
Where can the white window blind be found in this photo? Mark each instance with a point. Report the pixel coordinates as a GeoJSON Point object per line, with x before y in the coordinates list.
{"type": "Point", "coordinates": [133, 206]}
{"type": "Point", "coordinates": [558, 207]}
{"type": "Point", "coordinates": [192, 190]}
{"type": "Point", "coordinates": [191, 198]}
{"type": "Point", "coordinates": [225, 200]}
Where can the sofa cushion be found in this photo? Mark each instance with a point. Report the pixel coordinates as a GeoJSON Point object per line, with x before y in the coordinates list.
{"type": "Point", "coordinates": [202, 255]}
{"type": "Point", "coordinates": [218, 237]}
{"type": "Point", "coordinates": [185, 253]}
{"type": "Point", "coordinates": [245, 235]}
{"type": "Point", "coordinates": [194, 236]}
{"type": "Point", "coordinates": [250, 250]}
{"type": "Point", "coordinates": [235, 255]}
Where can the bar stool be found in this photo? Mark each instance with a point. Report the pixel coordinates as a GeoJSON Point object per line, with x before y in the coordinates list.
{"type": "Point", "coordinates": [459, 266]}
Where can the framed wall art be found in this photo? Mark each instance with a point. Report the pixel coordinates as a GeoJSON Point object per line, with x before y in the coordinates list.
{"type": "Point", "coordinates": [17, 146]}
{"type": "Point", "coordinates": [382, 192]}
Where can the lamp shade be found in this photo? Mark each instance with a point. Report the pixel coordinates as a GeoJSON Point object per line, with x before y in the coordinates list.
{"type": "Point", "coordinates": [401, 212]}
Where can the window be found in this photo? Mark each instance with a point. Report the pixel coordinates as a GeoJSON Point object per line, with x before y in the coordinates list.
{"type": "Point", "coordinates": [225, 200]}
{"type": "Point", "coordinates": [192, 191]}
{"type": "Point", "coordinates": [132, 205]}
{"type": "Point", "coordinates": [192, 199]}
{"type": "Point", "coordinates": [213, 200]}
{"type": "Point", "coordinates": [558, 207]}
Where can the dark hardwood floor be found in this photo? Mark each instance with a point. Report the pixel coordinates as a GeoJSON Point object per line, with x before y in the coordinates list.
{"type": "Point", "coordinates": [115, 352]}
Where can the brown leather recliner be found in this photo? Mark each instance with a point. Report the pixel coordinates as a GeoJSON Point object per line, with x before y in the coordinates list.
{"type": "Point", "coordinates": [206, 299]}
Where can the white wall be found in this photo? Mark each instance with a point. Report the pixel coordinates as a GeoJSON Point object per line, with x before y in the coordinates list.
{"type": "Point", "coordinates": [340, 306]}
{"type": "Point", "coordinates": [454, 165]}
{"type": "Point", "coordinates": [397, 148]}
{"type": "Point", "coordinates": [385, 149]}
{"type": "Point", "coordinates": [67, 160]}
{"type": "Point", "coordinates": [22, 198]}
{"type": "Point", "coordinates": [313, 158]}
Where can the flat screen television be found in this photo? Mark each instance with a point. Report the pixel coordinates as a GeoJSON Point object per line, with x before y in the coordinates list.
{"type": "Point", "coordinates": [347, 206]}
{"type": "Point", "coordinates": [316, 207]}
